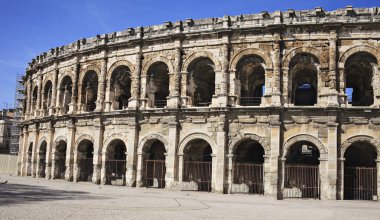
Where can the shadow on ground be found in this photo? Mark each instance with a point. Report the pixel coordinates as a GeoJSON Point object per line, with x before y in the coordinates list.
{"type": "Point", "coordinates": [21, 194]}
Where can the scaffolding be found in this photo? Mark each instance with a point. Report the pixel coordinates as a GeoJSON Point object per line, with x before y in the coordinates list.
{"type": "Point", "coordinates": [18, 111]}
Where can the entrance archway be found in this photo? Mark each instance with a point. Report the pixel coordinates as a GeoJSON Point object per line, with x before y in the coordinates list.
{"type": "Point", "coordinates": [42, 160]}
{"type": "Point", "coordinates": [29, 160]}
{"type": "Point", "coordinates": [248, 166]}
{"type": "Point", "coordinates": [360, 173]}
{"type": "Point", "coordinates": [60, 160]}
{"type": "Point", "coordinates": [154, 169]}
{"type": "Point", "coordinates": [116, 163]}
{"type": "Point", "coordinates": [198, 164]}
{"type": "Point", "coordinates": [301, 177]}
{"type": "Point", "coordinates": [85, 160]}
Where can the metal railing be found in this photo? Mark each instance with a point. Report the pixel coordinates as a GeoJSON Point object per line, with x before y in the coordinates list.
{"type": "Point", "coordinates": [360, 183]}
{"type": "Point", "coordinates": [154, 173]}
{"type": "Point", "coordinates": [250, 101]}
{"type": "Point", "coordinates": [160, 103]}
{"type": "Point", "coordinates": [304, 178]}
{"type": "Point", "coordinates": [250, 174]}
{"type": "Point", "coordinates": [202, 104]}
{"type": "Point", "coordinates": [115, 169]}
{"type": "Point", "coordinates": [200, 173]}
{"type": "Point", "coordinates": [86, 169]}
{"type": "Point", "coordinates": [60, 167]}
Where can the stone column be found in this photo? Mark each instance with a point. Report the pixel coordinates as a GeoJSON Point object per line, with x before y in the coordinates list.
{"type": "Point", "coordinates": [223, 95]}
{"type": "Point", "coordinates": [341, 179]}
{"type": "Point", "coordinates": [130, 176]}
{"type": "Point", "coordinates": [185, 100]}
{"type": "Point", "coordinates": [71, 154]}
{"type": "Point", "coordinates": [220, 155]}
{"type": "Point", "coordinates": [140, 160]}
{"type": "Point", "coordinates": [214, 173]}
{"type": "Point", "coordinates": [102, 83]}
{"type": "Point", "coordinates": [378, 177]}
{"type": "Point", "coordinates": [271, 163]}
{"type": "Point", "coordinates": [171, 154]}
{"type": "Point", "coordinates": [342, 84]}
{"type": "Point", "coordinates": [75, 88]}
{"type": "Point", "coordinates": [332, 100]}
{"type": "Point", "coordinates": [98, 146]}
{"type": "Point", "coordinates": [279, 192]}
{"type": "Point", "coordinates": [230, 172]}
{"type": "Point", "coordinates": [39, 95]}
{"type": "Point", "coordinates": [23, 147]}
{"type": "Point", "coordinates": [34, 151]}
{"type": "Point", "coordinates": [332, 145]}
{"type": "Point", "coordinates": [144, 99]}
{"type": "Point", "coordinates": [275, 92]}
{"type": "Point", "coordinates": [28, 99]}
{"type": "Point", "coordinates": [54, 91]}
{"type": "Point", "coordinates": [134, 102]}
{"type": "Point", "coordinates": [180, 168]}
{"type": "Point", "coordinates": [324, 177]}
{"type": "Point", "coordinates": [49, 149]}
{"type": "Point", "coordinates": [174, 100]}
{"type": "Point", "coordinates": [376, 85]}
{"type": "Point", "coordinates": [234, 88]}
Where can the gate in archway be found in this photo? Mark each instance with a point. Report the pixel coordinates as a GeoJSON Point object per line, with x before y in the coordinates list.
{"type": "Point", "coordinates": [250, 174]}
{"type": "Point", "coordinates": [115, 169]}
{"type": "Point", "coordinates": [200, 173]}
{"type": "Point", "coordinates": [86, 169]}
{"type": "Point", "coordinates": [61, 167]}
{"type": "Point", "coordinates": [303, 180]}
{"type": "Point", "coordinates": [154, 175]}
{"type": "Point", "coordinates": [360, 183]}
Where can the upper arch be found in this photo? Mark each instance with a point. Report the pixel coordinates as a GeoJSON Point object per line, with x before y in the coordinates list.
{"type": "Point", "coordinates": [119, 63]}
{"type": "Point", "coordinates": [361, 48]}
{"type": "Point", "coordinates": [200, 54]}
{"type": "Point", "coordinates": [150, 62]}
{"type": "Point", "coordinates": [87, 69]}
{"type": "Point", "coordinates": [360, 138]}
{"type": "Point", "coordinates": [250, 51]}
{"type": "Point", "coordinates": [298, 50]}
{"type": "Point", "coordinates": [305, 137]}
{"type": "Point", "coordinates": [185, 141]}
{"type": "Point", "coordinates": [149, 138]}
{"type": "Point", "coordinates": [113, 137]}
{"type": "Point", "coordinates": [264, 142]}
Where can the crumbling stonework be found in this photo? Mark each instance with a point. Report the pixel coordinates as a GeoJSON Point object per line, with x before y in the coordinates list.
{"type": "Point", "coordinates": [275, 79]}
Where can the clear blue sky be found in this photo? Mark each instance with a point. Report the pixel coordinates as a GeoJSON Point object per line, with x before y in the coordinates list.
{"type": "Point", "coordinates": [30, 27]}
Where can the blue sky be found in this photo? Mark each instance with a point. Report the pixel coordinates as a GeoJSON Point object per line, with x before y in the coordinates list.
{"type": "Point", "coordinates": [30, 27]}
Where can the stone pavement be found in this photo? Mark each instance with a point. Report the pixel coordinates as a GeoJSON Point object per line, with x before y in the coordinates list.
{"type": "Point", "coordinates": [27, 198]}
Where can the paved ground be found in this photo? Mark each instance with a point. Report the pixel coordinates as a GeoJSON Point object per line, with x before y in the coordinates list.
{"type": "Point", "coordinates": [27, 198]}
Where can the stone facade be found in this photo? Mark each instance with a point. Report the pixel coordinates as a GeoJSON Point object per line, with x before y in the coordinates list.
{"type": "Point", "coordinates": [275, 79]}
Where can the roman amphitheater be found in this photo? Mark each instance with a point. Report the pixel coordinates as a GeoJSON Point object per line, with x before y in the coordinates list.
{"type": "Point", "coordinates": [283, 104]}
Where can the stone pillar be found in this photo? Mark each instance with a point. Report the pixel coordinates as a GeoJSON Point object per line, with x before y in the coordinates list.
{"type": "Point", "coordinates": [274, 92]}
{"type": "Point", "coordinates": [171, 153]}
{"type": "Point", "coordinates": [220, 159]}
{"type": "Point", "coordinates": [223, 87]}
{"type": "Point", "coordinates": [102, 83]}
{"type": "Point", "coordinates": [71, 154]}
{"type": "Point", "coordinates": [230, 172]}
{"type": "Point", "coordinates": [75, 89]}
{"type": "Point", "coordinates": [279, 192]}
{"type": "Point", "coordinates": [174, 100]}
{"type": "Point", "coordinates": [54, 91]}
{"type": "Point", "coordinates": [49, 149]}
{"type": "Point", "coordinates": [342, 84]}
{"type": "Point", "coordinates": [214, 173]}
{"type": "Point", "coordinates": [35, 151]}
{"type": "Point", "coordinates": [378, 177]}
{"type": "Point", "coordinates": [376, 85]}
{"type": "Point", "coordinates": [23, 155]}
{"type": "Point", "coordinates": [28, 99]}
{"type": "Point", "coordinates": [332, 99]}
{"type": "Point", "coordinates": [39, 95]}
{"type": "Point", "coordinates": [271, 161]}
{"type": "Point", "coordinates": [134, 102]}
{"type": "Point", "coordinates": [104, 158]}
{"type": "Point", "coordinates": [98, 146]}
{"type": "Point", "coordinates": [139, 175]}
{"type": "Point", "coordinates": [132, 137]}
{"type": "Point", "coordinates": [234, 88]}
{"type": "Point", "coordinates": [144, 99]}
{"type": "Point", "coordinates": [185, 100]}
{"type": "Point", "coordinates": [332, 166]}
{"type": "Point", "coordinates": [341, 178]}
{"type": "Point", "coordinates": [324, 177]}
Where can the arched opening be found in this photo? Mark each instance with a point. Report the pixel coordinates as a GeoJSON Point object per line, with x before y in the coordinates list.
{"type": "Point", "coordinates": [116, 162]}
{"type": "Point", "coordinates": [85, 160]}
{"type": "Point", "coordinates": [359, 71]}
{"type": "Point", "coordinates": [303, 80]}
{"type": "Point", "coordinates": [302, 171]}
{"type": "Point", "coordinates": [158, 84]}
{"type": "Point", "coordinates": [90, 90]}
{"type": "Point", "coordinates": [251, 75]}
{"type": "Point", "coordinates": [154, 169]}
{"type": "Point", "coordinates": [201, 81]}
{"type": "Point", "coordinates": [60, 160]}
{"type": "Point", "coordinates": [120, 87]}
{"type": "Point", "coordinates": [34, 99]}
{"type": "Point", "coordinates": [47, 97]}
{"type": "Point", "coordinates": [42, 160]}
{"type": "Point", "coordinates": [198, 165]}
{"type": "Point", "coordinates": [248, 170]}
{"type": "Point", "coordinates": [29, 160]}
{"type": "Point", "coordinates": [360, 173]}
{"type": "Point", "coordinates": [65, 93]}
